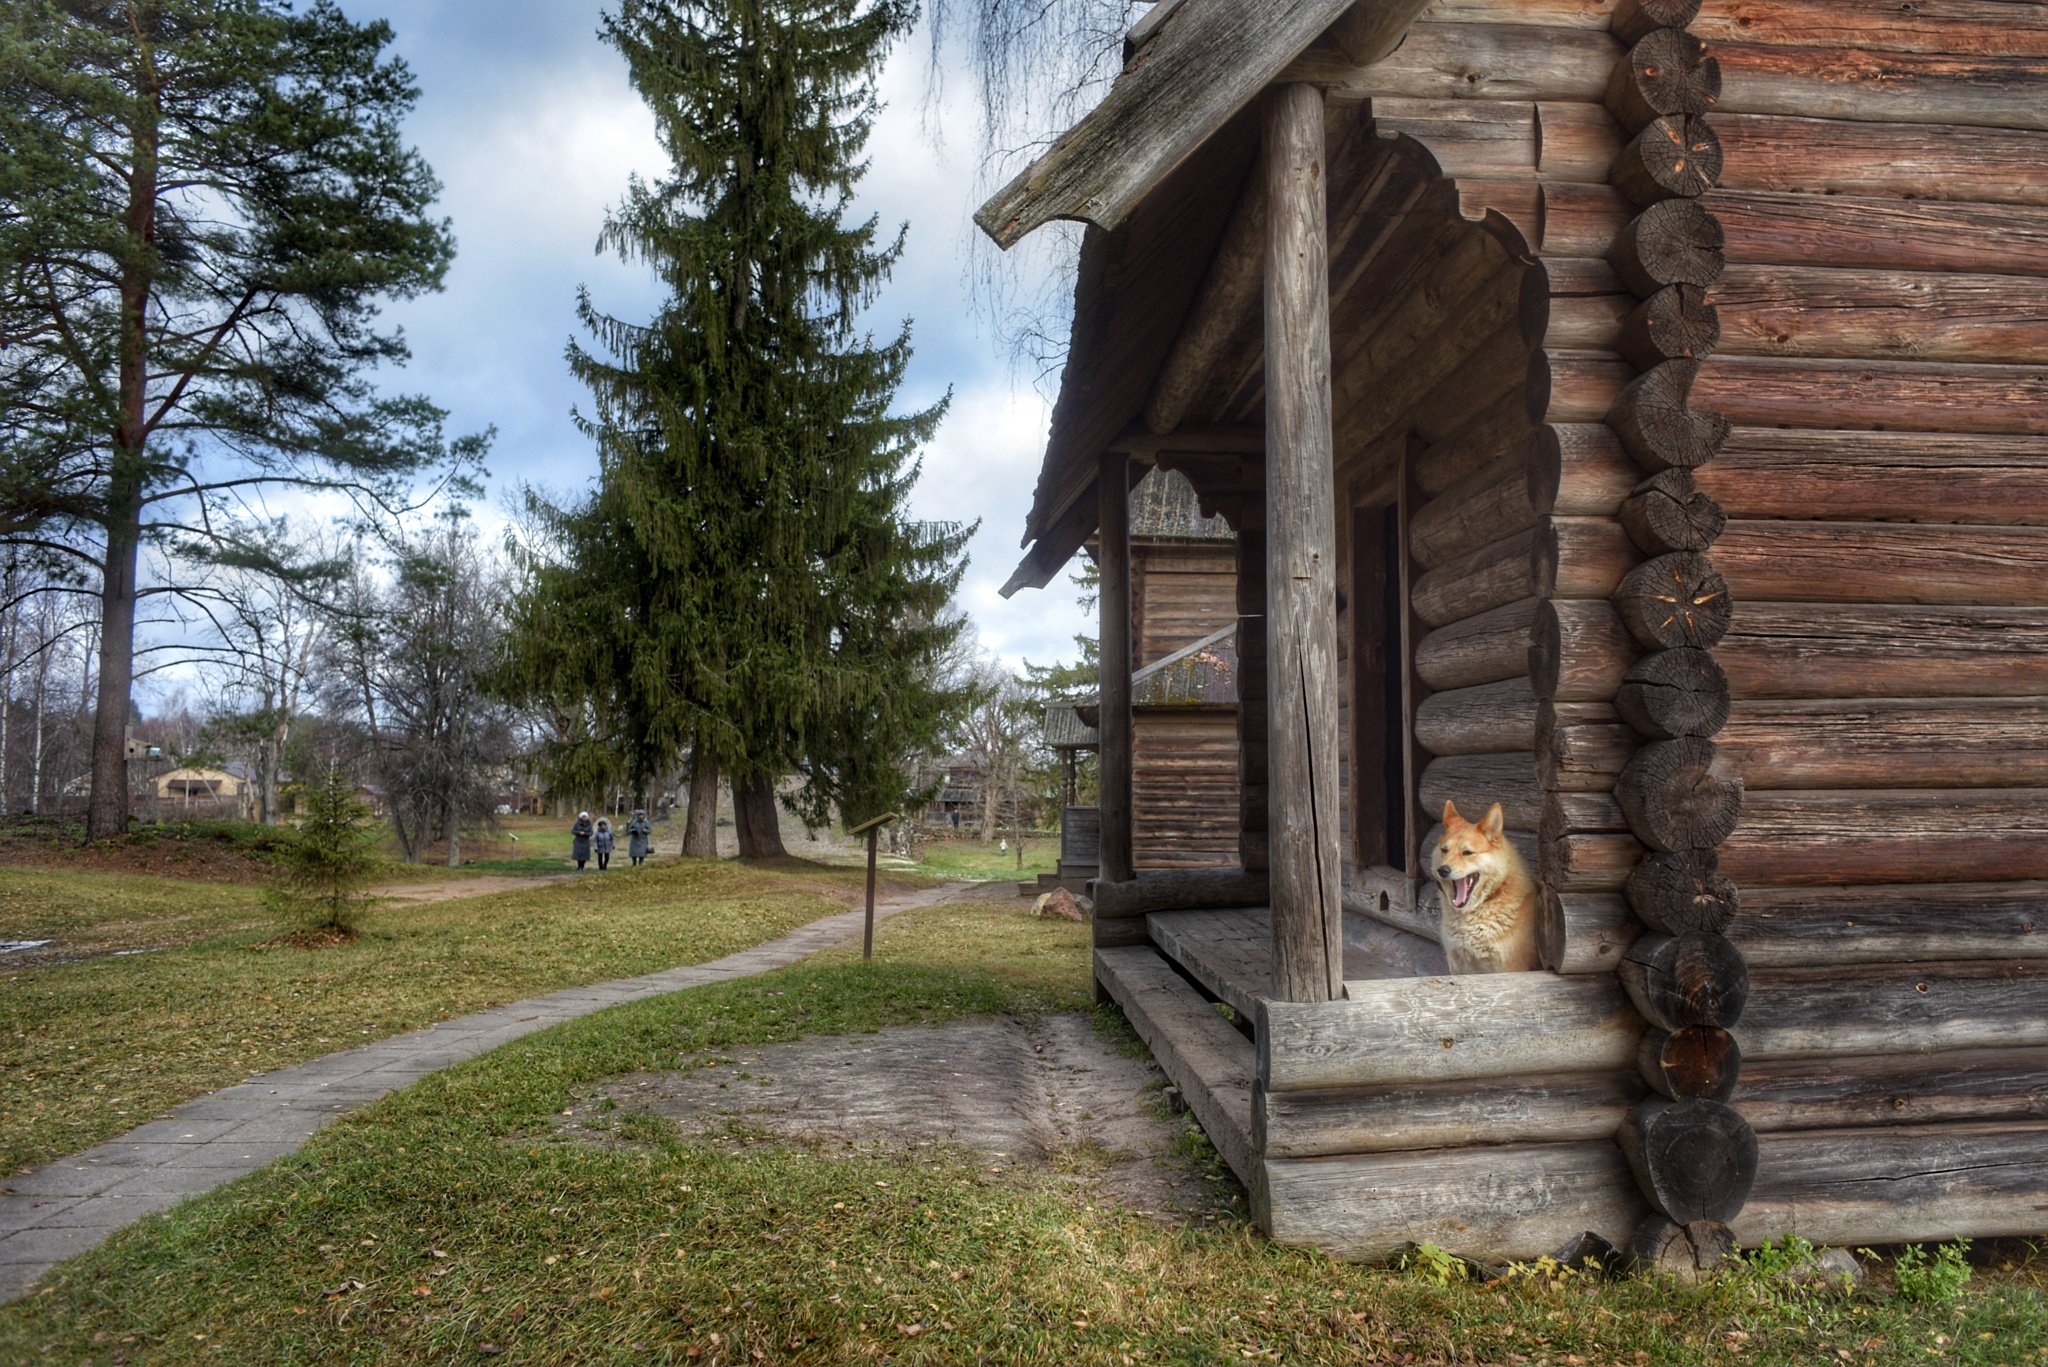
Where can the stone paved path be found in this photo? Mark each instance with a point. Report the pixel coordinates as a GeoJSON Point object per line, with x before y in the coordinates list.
{"type": "Point", "coordinates": [74, 1203]}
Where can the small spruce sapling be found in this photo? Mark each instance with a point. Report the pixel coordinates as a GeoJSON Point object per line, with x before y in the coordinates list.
{"type": "Point", "coordinates": [330, 863]}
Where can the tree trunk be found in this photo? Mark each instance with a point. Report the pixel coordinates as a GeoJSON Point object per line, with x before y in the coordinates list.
{"type": "Point", "coordinates": [700, 824]}
{"type": "Point", "coordinates": [756, 815]}
{"type": "Point", "coordinates": [454, 821]}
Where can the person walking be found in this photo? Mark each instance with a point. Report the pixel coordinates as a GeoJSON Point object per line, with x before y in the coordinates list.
{"type": "Point", "coordinates": [602, 840]}
{"type": "Point", "coordinates": [638, 830]}
{"type": "Point", "coordinates": [580, 840]}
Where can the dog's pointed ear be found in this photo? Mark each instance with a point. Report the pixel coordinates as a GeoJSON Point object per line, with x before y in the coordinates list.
{"type": "Point", "coordinates": [1493, 823]}
{"type": "Point", "coordinates": [1450, 811]}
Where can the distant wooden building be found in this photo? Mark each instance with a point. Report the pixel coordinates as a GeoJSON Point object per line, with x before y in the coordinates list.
{"type": "Point", "coordinates": [1635, 414]}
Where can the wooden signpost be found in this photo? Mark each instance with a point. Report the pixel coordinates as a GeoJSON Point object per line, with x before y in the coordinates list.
{"type": "Point", "coordinates": [872, 829]}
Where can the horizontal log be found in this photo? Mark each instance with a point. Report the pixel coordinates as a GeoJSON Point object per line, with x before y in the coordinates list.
{"type": "Point", "coordinates": [1674, 799]}
{"type": "Point", "coordinates": [1918, 1089]}
{"type": "Point", "coordinates": [1695, 1160]}
{"type": "Point", "coordinates": [1992, 27]}
{"type": "Point", "coordinates": [1887, 743]}
{"type": "Point", "coordinates": [1585, 932]}
{"type": "Point", "coordinates": [1579, 650]}
{"type": "Point", "coordinates": [1472, 721]}
{"type": "Point", "coordinates": [1584, 386]}
{"type": "Point", "coordinates": [1582, 219]}
{"type": "Point", "coordinates": [1635, 20]}
{"type": "Point", "coordinates": [1443, 1115]}
{"type": "Point", "coordinates": [1769, 228]}
{"type": "Point", "coordinates": [1667, 71]}
{"type": "Point", "coordinates": [1700, 1061]}
{"type": "Point", "coordinates": [1672, 243]}
{"type": "Point", "coordinates": [1902, 923]}
{"type": "Point", "coordinates": [1876, 562]}
{"type": "Point", "coordinates": [1894, 1009]}
{"type": "Point", "coordinates": [1674, 601]}
{"type": "Point", "coordinates": [1589, 862]}
{"type": "Point", "coordinates": [1795, 650]}
{"type": "Point", "coordinates": [1667, 512]}
{"type": "Point", "coordinates": [1922, 1183]}
{"type": "Point", "coordinates": [1444, 1029]}
{"type": "Point", "coordinates": [1490, 577]}
{"type": "Point", "coordinates": [1583, 754]}
{"type": "Point", "coordinates": [1475, 782]}
{"type": "Point", "coordinates": [1807, 838]}
{"type": "Point", "coordinates": [1180, 890]}
{"type": "Point", "coordinates": [1881, 315]}
{"type": "Point", "coordinates": [1567, 811]}
{"type": "Point", "coordinates": [1580, 557]}
{"type": "Point", "coordinates": [1677, 981]}
{"type": "Point", "coordinates": [1467, 138]}
{"type": "Point", "coordinates": [1574, 277]}
{"type": "Point", "coordinates": [1484, 649]}
{"type": "Point", "coordinates": [1921, 160]}
{"type": "Point", "coordinates": [1580, 470]}
{"type": "Point", "coordinates": [1499, 61]}
{"type": "Point", "coordinates": [1484, 507]}
{"type": "Point", "coordinates": [1495, 431]}
{"type": "Point", "coordinates": [1392, 898]}
{"type": "Point", "coordinates": [1493, 1202]}
{"type": "Point", "coordinates": [1766, 472]}
{"type": "Point", "coordinates": [1576, 142]}
{"type": "Point", "coordinates": [1886, 87]}
{"type": "Point", "coordinates": [1375, 949]}
{"type": "Point", "coordinates": [1682, 892]}
{"type": "Point", "coordinates": [1662, 420]}
{"type": "Point", "coordinates": [1675, 693]}
{"type": "Point", "coordinates": [1588, 322]}
{"type": "Point", "coordinates": [1675, 157]}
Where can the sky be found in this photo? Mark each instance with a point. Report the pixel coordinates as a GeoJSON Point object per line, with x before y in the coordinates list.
{"type": "Point", "coordinates": [529, 122]}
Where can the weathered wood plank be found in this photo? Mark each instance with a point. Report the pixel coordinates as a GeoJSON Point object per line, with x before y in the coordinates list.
{"type": "Point", "coordinates": [1990, 27]}
{"type": "Point", "coordinates": [1926, 161]}
{"type": "Point", "coordinates": [1472, 61]}
{"type": "Point", "coordinates": [1586, 932]}
{"type": "Point", "coordinates": [1228, 299]}
{"type": "Point", "coordinates": [1927, 835]}
{"type": "Point", "coordinates": [1894, 1009]}
{"type": "Point", "coordinates": [1114, 650]}
{"type": "Point", "coordinates": [1900, 395]}
{"type": "Point", "coordinates": [1768, 472]}
{"type": "Point", "coordinates": [1180, 890]}
{"type": "Point", "coordinates": [1205, 1056]}
{"type": "Point", "coordinates": [1301, 559]}
{"type": "Point", "coordinates": [1204, 65]}
{"type": "Point", "coordinates": [1900, 923]}
{"type": "Point", "coordinates": [1492, 1202]}
{"type": "Point", "coordinates": [1824, 1094]}
{"type": "Point", "coordinates": [1579, 650]}
{"type": "Point", "coordinates": [1441, 1029]}
{"type": "Point", "coordinates": [1472, 721]}
{"type": "Point", "coordinates": [1910, 1184]}
{"type": "Point", "coordinates": [1881, 315]}
{"type": "Point", "coordinates": [1887, 743]}
{"type": "Point", "coordinates": [1887, 87]}
{"type": "Point", "coordinates": [1763, 227]}
{"type": "Point", "coordinates": [1877, 562]}
{"type": "Point", "coordinates": [1794, 650]}
{"type": "Point", "coordinates": [1375, 949]}
{"type": "Point", "coordinates": [1442, 1115]}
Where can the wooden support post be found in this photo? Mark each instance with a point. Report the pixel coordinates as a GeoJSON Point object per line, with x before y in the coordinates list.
{"type": "Point", "coordinates": [1114, 652]}
{"type": "Point", "coordinates": [867, 935]}
{"type": "Point", "coordinates": [1301, 557]}
{"type": "Point", "coordinates": [1251, 687]}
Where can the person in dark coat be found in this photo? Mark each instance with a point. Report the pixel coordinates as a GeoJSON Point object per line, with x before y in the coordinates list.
{"type": "Point", "coordinates": [603, 841]}
{"type": "Point", "coordinates": [638, 830]}
{"type": "Point", "coordinates": [580, 844]}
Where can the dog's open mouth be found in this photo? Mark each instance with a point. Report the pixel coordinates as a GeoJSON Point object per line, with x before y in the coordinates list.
{"type": "Point", "coordinates": [1461, 889]}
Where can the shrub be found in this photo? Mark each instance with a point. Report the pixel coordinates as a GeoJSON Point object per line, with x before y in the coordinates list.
{"type": "Point", "coordinates": [1932, 1281]}
{"type": "Point", "coordinates": [330, 862]}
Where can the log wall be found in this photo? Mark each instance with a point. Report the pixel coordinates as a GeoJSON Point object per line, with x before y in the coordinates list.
{"type": "Point", "coordinates": [1181, 591]}
{"type": "Point", "coordinates": [1184, 787]}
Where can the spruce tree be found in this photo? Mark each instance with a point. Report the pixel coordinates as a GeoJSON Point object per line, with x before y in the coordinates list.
{"type": "Point", "coordinates": [790, 615]}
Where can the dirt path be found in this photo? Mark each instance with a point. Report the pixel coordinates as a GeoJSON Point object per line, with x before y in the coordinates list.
{"type": "Point", "coordinates": [1050, 1095]}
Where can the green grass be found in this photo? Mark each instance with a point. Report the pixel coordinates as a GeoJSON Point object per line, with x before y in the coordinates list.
{"type": "Point", "coordinates": [91, 1048]}
{"type": "Point", "coordinates": [456, 1222]}
{"type": "Point", "coordinates": [968, 858]}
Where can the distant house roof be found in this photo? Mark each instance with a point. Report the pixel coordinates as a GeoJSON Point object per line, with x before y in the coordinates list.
{"type": "Point", "coordinates": [1065, 729]}
{"type": "Point", "coordinates": [1165, 505]}
{"type": "Point", "coordinates": [1200, 675]}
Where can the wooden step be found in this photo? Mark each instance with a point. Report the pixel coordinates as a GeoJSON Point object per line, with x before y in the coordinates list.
{"type": "Point", "coordinates": [1206, 1057]}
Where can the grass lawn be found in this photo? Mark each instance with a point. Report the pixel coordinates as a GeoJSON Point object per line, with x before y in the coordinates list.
{"type": "Point", "coordinates": [457, 1222]}
{"type": "Point", "coordinates": [968, 858]}
{"type": "Point", "coordinates": [92, 1047]}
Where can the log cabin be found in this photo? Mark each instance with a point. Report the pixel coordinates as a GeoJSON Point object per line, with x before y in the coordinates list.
{"type": "Point", "coordinates": [1633, 412]}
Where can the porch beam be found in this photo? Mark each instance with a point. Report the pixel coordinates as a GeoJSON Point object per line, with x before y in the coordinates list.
{"type": "Point", "coordinates": [1301, 556]}
{"type": "Point", "coordinates": [1113, 727]}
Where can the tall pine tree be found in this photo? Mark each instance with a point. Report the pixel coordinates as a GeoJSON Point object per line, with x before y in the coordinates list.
{"type": "Point", "coordinates": [789, 615]}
